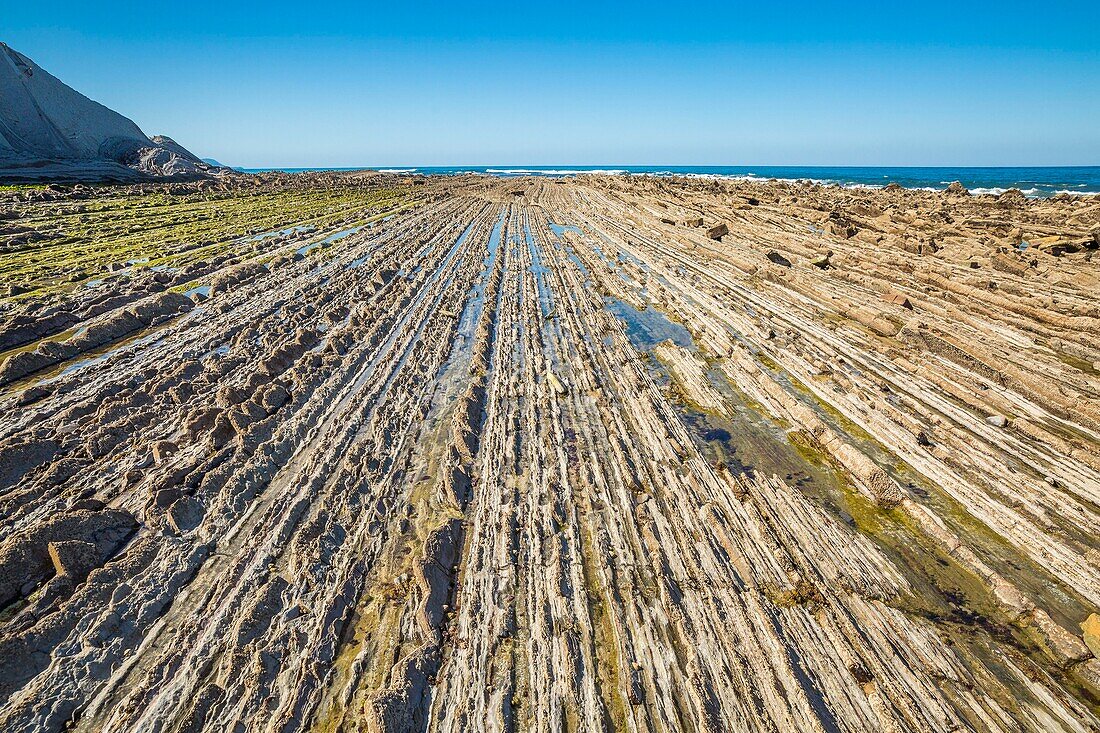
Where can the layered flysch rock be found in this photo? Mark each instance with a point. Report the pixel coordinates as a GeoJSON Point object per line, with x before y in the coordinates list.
{"type": "Point", "coordinates": [511, 455]}
{"type": "Point", "coordinates": [49, 130]}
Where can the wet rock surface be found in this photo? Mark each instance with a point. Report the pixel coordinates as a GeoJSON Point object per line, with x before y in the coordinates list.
{"type": "Point", "coordinates": [531, 454]}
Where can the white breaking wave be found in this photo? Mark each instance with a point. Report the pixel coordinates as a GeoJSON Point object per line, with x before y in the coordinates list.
{"type": "Point", "coordinates": [750, 177]}
{"type": "Point", "coordinates": [556, 171]}
{"type": "Point", "coordinates": [996, 191]}
{"type": "Point", "coordinates": [397, 170]}
{"type": "Point", "coordinates": [1033, 192]}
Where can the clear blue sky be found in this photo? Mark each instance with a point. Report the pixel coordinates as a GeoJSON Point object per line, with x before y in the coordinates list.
{"type": "Point", "coordinates": [800, 83]}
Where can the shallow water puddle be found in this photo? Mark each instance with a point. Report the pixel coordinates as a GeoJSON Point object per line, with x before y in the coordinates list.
{"type": "Point", "coordinates": [203, 290]}
{"type": "Point", "coordinates": [476, 304]}
{"type": "Point", "coordinates": [454, 370]}
{"type": "Point", "coordinates": [321, 243]}
{"type": "Point", "coordinates": [647, 328]}
{"type": "Point", "coordinates": [538, 269]}
{"type": "Point", "coordinates": [560, 229]}
{"type": "Point", "coordinates": [748, 442]}
{"type": "Point", "coordinates": [340, 235]}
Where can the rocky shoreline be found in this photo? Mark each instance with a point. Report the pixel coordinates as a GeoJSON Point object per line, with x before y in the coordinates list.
{"type": "Point", "coordinates": [362, 451]}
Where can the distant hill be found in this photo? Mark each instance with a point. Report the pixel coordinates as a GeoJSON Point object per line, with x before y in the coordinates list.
{"type": "Point", "coordinates": [49, 131]}
{"type": "Point", "coordinates": [216, 164]}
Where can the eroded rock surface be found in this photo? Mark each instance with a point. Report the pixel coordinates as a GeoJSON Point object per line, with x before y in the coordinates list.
{"type": "Point", "coordinates": [542, 454]}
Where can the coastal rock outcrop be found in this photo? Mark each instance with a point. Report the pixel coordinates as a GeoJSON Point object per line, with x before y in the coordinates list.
{"type": "Point", "coordinates": [49, 131]}
{"type": "Point", "coordinates": [438, 457]}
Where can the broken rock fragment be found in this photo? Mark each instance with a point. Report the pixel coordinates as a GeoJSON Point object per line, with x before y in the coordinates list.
{"type": "Point", "coordinates": [73, 558]}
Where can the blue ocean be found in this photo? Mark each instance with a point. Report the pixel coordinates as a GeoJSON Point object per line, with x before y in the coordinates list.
{"type": "Point", "coordinates": [1035, 182]}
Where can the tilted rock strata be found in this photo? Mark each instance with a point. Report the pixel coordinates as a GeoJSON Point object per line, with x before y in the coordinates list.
{"type": "Point", "coordinates": [446, 472]}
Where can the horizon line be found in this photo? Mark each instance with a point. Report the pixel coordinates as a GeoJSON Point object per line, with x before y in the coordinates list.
{"type": "Point", "coordinates": [650, 165]}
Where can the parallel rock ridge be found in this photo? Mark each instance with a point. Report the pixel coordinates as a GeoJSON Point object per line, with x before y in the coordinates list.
{"type": "Point", "coordinates": [598, 453]}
